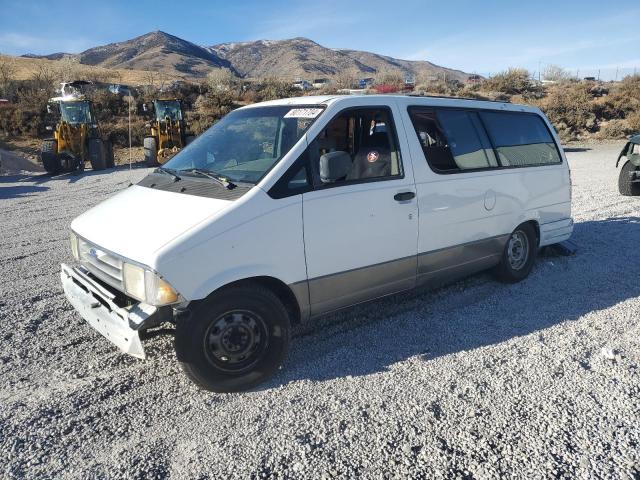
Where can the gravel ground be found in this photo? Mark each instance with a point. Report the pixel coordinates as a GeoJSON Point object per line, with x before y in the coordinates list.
{"type": "Point", "coordinates": [477, 380]}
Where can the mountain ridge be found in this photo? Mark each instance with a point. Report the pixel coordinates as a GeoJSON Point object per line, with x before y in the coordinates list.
{"type": "Point", "coordinates": [288, 58]}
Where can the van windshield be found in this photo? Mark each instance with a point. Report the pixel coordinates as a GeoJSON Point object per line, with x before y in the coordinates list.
{"type": "Point", "coordinates": [246, 143]}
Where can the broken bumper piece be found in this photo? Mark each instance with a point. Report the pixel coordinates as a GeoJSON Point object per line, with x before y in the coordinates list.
{"type": "Point", "coordinates": [96, 304]}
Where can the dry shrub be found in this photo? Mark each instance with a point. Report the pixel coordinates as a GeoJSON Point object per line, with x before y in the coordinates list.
{"type": "Point", "coordinates": [117, 130]}
{"type": "Point", "coordinates": [568, 106]}
{"type": "Point", "coordinates": [633, 122]}
{"type": "Point", "coordinates": [513, 81]}
{"type": "Point", "coordinates": [616, 129]}
{"type": "Point", "coordinates": [272, 89]}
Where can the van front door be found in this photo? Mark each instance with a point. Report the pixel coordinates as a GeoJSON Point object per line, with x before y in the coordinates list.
{"type": "Point", "coordinates": [361, 220]}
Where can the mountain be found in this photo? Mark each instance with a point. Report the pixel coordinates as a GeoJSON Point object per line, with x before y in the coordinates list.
{"type": "Point", "coordinates": [286, 58]}
{"type": "Point", "coordinates": [296, 57]}
{"type": "Point", "coordinates": [158, 51]}
{"type": "Point", "coordinates": [301, 57]}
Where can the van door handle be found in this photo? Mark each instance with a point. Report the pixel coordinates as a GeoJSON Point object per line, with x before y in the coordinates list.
{"type": "Point", "coordinates": [404, 196]}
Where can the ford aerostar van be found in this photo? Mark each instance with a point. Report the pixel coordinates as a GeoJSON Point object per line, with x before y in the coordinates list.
{"type": "Point", "coordinates": [290, 209]}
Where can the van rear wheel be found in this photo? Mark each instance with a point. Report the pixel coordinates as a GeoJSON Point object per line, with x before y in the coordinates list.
{"type": "Point", "coordinates": [235, 339]}
{"type": "Point", "coordinates": [518, 255]}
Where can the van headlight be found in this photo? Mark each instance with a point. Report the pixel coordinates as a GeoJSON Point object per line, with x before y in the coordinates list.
{"type": "Point", "coordinates": [147, 286]}
{"type": "Point", "coordinates": [74, 246]}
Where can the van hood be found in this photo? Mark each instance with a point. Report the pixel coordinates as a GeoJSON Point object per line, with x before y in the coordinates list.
{"type": "Point", "coordinates": [138, 221]}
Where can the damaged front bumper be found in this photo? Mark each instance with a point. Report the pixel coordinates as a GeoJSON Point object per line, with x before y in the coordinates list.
{"type": "Point", "coordinates": [97, 305]}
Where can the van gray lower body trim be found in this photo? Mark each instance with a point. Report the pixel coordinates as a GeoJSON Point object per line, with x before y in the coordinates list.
{"type": "Point", "coordinates": [430, 269]}
{"type": "Point", "coordinates": [339, 290]}
{"type": "Point", "coordinates": [446, 265]}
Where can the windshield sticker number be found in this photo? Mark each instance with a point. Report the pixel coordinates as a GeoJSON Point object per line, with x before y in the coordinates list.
{"type": "Point", "coordinates": [303, 113]}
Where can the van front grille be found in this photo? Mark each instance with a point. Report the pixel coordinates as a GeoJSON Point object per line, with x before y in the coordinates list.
{"type": "Point", "coordinates": [106, 266]}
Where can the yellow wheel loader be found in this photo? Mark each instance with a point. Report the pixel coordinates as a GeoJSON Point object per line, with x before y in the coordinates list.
{"type": "Point", "coordinates": [168, 132]}
{"type": "Point", "coordinates": [76, 136]}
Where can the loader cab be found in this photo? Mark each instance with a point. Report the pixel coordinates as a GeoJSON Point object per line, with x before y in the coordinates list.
{"type": "Point", "coordinates": [78, 112]}
{"type": "Point", "coordinates": [168, 109]}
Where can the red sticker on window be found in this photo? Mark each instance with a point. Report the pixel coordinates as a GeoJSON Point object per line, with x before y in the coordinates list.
{"type": "Point", "coordinates": [372, 156]}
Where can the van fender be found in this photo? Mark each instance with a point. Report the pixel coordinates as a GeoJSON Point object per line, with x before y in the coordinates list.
{"type": "Point", "coordinates": [244, 272]}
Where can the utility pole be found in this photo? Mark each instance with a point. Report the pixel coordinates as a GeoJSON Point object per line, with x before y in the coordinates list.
{"type": "Point", "coordinates": [598, 74]}
{"type": "Point", "coordinates": [539, 64]}
{"type": "Point", "coordinates": [616, 74]}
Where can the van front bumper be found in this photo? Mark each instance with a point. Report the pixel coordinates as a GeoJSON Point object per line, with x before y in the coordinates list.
{"type": "Point", "coordinates": [96, 304]}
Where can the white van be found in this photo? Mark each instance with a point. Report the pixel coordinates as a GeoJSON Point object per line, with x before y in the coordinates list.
{"type": "Point", "coordinates": [286, 210]}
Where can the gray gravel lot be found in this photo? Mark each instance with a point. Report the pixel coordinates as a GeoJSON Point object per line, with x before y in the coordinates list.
{"type": "Point", "coordinates": [477, 380]}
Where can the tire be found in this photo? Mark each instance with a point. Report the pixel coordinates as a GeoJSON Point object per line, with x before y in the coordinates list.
{"type": "Point", "coordinates": [624, 181]}
{"type": "Point", "coordinates": [234, 340]}
{"type": "Point", "coordinates": [519, 255]}
{"type": "Point", "coordinates": [150, 152]}
{"type": "Point", "coordinates": [97, 156]}
{"type": "Point", "coordinates": [110, 160]}
{"type": "Point", "coordinates": [188, 139]}
{"type": "Point", "coordinates": [49, 156]}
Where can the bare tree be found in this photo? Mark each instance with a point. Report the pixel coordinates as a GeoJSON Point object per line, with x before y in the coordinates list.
{"type": "Point", "coordinates": [556, 73]}
{"type": "Point", "coordinates": [347, 78]}
{"type": "Point", "coordinates": [389, 76]}
{"type": "Point", "coordinates": [150, 78]}
{"type": "Point", "coordinates": [69, 69]}
{"type": "Point", "coordinates": [221, 79]}
{"type": "Point", "coordinates": [7, 74]}
{"type": "Point", "coordinates": [45, 76]}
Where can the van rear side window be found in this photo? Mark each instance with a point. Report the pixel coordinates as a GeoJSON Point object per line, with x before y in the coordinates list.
{"type": "Point", "coordinates": [455, 140]}
{"type": "Point", "coordinates": [521, 140]}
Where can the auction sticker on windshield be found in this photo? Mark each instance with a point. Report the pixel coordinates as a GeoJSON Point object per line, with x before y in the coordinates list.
{"type": "Point", "coordinates": [303, 113]}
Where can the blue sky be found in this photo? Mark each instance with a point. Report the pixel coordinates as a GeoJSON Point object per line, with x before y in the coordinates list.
{"type": "Point", "coordinates": [475, 36]}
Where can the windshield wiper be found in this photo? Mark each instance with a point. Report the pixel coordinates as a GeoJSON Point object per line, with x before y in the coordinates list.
{"type": "Point", "coordinates": [166, 171]}
{"type": "Point", "coordinates": [214, 176]}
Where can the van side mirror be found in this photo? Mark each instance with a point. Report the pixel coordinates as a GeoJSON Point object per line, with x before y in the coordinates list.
{"type": "Point", "coordinates": [334, 166]}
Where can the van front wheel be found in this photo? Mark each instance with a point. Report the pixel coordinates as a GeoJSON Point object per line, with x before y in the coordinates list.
{"type": "Point", "coordinates": [235, 339]}
{"type": "Point", "coordinates": [518, 255]}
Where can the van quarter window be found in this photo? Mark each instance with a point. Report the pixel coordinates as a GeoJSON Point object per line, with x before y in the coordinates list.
{"type": "Point", "coordinates": [367, 136]}
{"type": "Point", "coordinates": [521, 139]}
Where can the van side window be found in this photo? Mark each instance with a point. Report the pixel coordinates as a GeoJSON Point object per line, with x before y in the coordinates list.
{"type": "Point", "coordinates": [452, 140]}
{"type": "Point", "coordinates": [521, 139]}
{"type": "Point", "coordinates": [359, 144]}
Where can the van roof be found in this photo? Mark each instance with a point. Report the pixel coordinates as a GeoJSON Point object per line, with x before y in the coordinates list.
{"type": "Point", "coordinates": [416, 99]}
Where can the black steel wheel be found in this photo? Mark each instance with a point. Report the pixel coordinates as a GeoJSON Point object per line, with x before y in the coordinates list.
{"type": "Point", "coordinates": [234, 339]}
{"type": "Point", "coordinates": [519, 254]}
